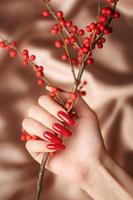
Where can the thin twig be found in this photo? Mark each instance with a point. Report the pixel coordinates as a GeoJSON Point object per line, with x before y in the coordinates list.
{"type": "Point", "coordinates": [40, 176]}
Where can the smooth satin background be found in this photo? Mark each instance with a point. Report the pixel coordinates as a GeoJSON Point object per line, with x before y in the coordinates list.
{"type": "Point", "coordinates": [109, 91]}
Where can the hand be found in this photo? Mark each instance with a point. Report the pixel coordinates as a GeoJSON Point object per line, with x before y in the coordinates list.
{"type": "Point", "coordinates": [83, 149]}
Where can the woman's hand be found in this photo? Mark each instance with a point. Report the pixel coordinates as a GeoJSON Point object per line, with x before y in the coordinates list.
{"type": "Point", "coordinates": [82, 146]}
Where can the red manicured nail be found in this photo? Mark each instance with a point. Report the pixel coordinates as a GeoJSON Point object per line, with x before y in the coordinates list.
{"type": "Point", "coordinates": [66, 118]}
{"type": "Point", "coordinates": [51, 137]}
{"type": "Point", "coordinates": [55, 146]}
{"type": "Point", "coordinates": [62, 130]}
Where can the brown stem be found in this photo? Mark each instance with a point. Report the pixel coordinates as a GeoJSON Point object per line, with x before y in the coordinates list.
{"type": "Point", "coordinates": [40, 176]}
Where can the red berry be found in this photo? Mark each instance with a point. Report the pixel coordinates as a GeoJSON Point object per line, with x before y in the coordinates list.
{"type": "Point", "coordinates": [73, 39]}
{"type": "Point", "coordinates": [116, 15]}
{"type": "Point", "coordinates": [25, 62]}
{"type": "Point", "coordinates": [25, 52]}
{"type": "Point", "coordinates": [81, 51]}
{"type": "Point", "coordinates": [56, 26]}
{"type": "Point", "coordinates": [45, 13]}
{"type": "Point", "coordinates": [103, 18]}
{"type": "Point", "coordinates": [98, 31]}
{"type": "Point", "coordinates": [58, 44]}
{"type": "Point", "coordinates": [89, 61]}
{"type": "Point", "coordinates": [32, 58]}
{"type": "Point", "coordinates": [28, 137]}
{"type": "Point", "coordinates": [88, 29]}
{"type": "Point", "coordinates": [103, 11]}
{"type": "Point", "coordinates": [100, 45]}
{"type": "Point", "coordinates": [80, 58]}
{"type": "Point", "coordinates": [69, 23]}
{"type": "Point", "coordinates": [52, 94]}
{"type": "Point", "coordinates": [81, 32]}
{"type": "Point", "coordinates": [2, 45]}
{"type": "Point", "coordinates": [54, 31]}
{"type": "Point", "coordinates": [62, 22]}
{"type": "Point", "coordinates": [102, 27]}
{"type": "Point", "coordinates": [108, 30]}
{"type": "Point", "coordinates": [26, 57]}
{"type": "Point", "coordinates": [14, 43]}
{"type": "Point", "coordinates": [111, 1]}
{"type": "Point", "coordinates": [108, 11]}
{"type": "Point", "coordinates": [41, 82]}
{"type": "Point", "coordinates": [64, 57]}
{"type": "Point", "coordinates": [92, 26]}
{"type": "Point", "coordinates": [39, 74]}
{"type": "Point", "coordinates": [40, 68]}
{"type": "Point", "coordinates": [68, 105]}
{"type": "Point", "coordinates": [72, 33]}
{"type": "Point", "coordinates": [59, 14]}
{"type": "Point", "coordinates": [74, 96]}
{"type": "Point", "coordinates": [54, 90]}
{"type": "Point", "coordinates": [13, 53]}
{"type": "Point", "coordinates": [85, 82]}
{"type": "Point", "coordinates": [102, 40]}
{"type": "Point", "coordinates": [74, 29]}
{"type": "Point", "coordinates": [85, 49]}
{"type": "Point", "coordinates": [86, 40]}
{"type": "Point", "coordinates": [82, 93]}
{"type": "Point", "coordinates": [73, 61]}
{"type": "Point", "coordinates": [23, 137]}
{"type": "Point", "coordinates": [67, 40]}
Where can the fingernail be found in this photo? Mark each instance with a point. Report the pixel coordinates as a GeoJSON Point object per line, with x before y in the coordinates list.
{"type": "Point", "coordinates": [55, 146]}
{"type": "Point", "coordinates": [66, 118]}
{"type": "Point", "coordinates": [62, 130]}
{"type": "Point", "coordinates": [51, 137]}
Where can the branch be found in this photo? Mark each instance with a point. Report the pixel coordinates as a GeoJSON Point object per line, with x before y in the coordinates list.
{"type": "Point", "coordinates": [63, 38]}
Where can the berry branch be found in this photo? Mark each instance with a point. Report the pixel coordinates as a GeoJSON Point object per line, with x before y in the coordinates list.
{"type": "Point", "coordinates": [72, 39]}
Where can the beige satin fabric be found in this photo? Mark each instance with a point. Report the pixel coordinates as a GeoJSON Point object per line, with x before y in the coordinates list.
{"type": "Point", "coordinates": [109, 91]}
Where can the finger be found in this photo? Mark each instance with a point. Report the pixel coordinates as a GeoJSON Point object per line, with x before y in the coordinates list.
{"type": "Point", "coordinates": [34, 127]}
{"type": "Point", "coordinates": [37, 146]}
{"type": "Point", "coordinates": [41, 115]}
{"type": "Point", "coordinates": [55, 109]}
{"type": "Point", "coordinates": [48, 120]}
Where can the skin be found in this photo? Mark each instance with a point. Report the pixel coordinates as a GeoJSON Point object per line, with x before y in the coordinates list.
{"type": "Point", "coordinates": [85, 151]}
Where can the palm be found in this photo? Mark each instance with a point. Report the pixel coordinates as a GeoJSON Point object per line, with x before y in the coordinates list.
{"type": "Point", "coordinates": [85, 145]}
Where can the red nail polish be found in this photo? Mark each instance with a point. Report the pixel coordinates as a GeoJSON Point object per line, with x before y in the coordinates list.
{"type": "Point", "coordinates": [66, 118]}
{"type": "Point", "coordinates": [55, 146]}
{"type": "Point", "coordinates": [62, 130]}
{"type": "Point", "coordinates": [51, 137]}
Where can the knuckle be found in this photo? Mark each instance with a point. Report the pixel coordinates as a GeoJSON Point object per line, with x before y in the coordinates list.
{"type": "Point", "coordinates": [25, 123]}
{"type": "Point", "coordinates": [32, 109]}
{"type": "Point", "coordinates": [42, 98]}
{"type": "Point", "coordinates": [28, 146]}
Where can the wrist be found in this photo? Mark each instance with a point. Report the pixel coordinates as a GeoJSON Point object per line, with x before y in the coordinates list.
{"type": "Point", "coordinates": [94, 170]}
{"type": "Point", "coordinates": [108, 180]}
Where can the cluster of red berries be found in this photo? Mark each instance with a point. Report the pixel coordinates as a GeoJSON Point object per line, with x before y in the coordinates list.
{"type": "Point", "coordinates": [27, 58]}
{"type": "Point", "coordinates": [37, 69]}
{"type": "Point", "coordinates": [10, 48]}
{"type": "Point", "coordinates": [74, 34]}
{"type": "Point", "coordinates": [25, 136]}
